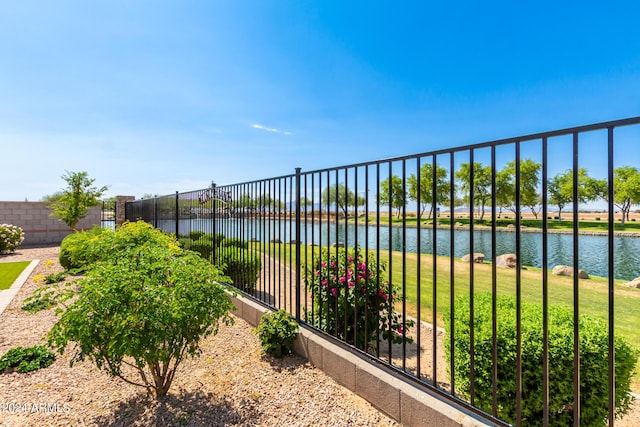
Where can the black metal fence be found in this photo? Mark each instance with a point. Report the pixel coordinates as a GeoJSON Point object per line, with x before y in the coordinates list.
{"type": "Point", "coordinates": [373, 254]}
{"type": "Point", "coordinates": [108, 214]}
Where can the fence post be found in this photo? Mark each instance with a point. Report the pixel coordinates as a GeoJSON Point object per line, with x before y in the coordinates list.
{"type": "Point", "coordinates": [298, 261]}
{"type": "Point", "coordinates": [177, 215]}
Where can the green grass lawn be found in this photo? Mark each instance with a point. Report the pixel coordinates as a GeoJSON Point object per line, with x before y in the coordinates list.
{"type": "Point", "coordinates": [9, 272]}
{"type": "Point", "coordinates": [593, 292]}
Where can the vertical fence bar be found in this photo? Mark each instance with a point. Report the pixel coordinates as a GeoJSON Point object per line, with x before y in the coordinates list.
{"type": "Point", "coordinates": [545, 287]}
{"type": "Point", "coordinates": [576, 287]}
{"type": "Point", "coordinates": [418, 270]}
{"type": "Point", "coordinates": [472, 351]}
{"type": "Point", "coordinates": [610, 236]}
{"type": "Point", "coordinates": [298, 240]}
{"type": "Point", "coordinates": [434, 257]}
{"type": "Point", "coordinates": [177, 215]}
{"type": "Point", "coordinates": [378, 252]}
{"type": "Point", "coordinates": [390, 258]}
{"type": "Point", "coordinates": [452, 268]}
{"type": "Point", "coordinates": [518, 294]}
{"type": "Point", "coordinates": [494, 290]}
{"type": "Point", "coordinates": [404, 263]}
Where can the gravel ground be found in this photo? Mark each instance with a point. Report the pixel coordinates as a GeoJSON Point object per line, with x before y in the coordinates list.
{"type": "Point", "coordinates": [231, 384]}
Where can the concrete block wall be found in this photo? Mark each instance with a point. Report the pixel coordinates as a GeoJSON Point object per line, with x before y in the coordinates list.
{"type": "Point", "coordinates": [39, 227]}
{"type": "Point", "coordinates": [392, 394]}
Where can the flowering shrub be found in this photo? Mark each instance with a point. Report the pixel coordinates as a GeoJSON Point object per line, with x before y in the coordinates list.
{"type": "Point", "coordinates": [352, 301]}
{"type": "Point", "coordinates": [10, 238]}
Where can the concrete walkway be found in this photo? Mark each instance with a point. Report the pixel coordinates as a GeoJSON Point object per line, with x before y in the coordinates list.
{"type": "Point", "coordinates": [7, 295]}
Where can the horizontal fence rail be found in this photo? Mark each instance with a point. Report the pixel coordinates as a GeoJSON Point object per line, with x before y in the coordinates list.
{"type": "Point", "coordinates": [438, 265]}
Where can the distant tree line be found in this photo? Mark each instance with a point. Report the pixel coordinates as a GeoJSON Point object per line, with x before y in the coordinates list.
{"type": "Point", "coordinates": [432, 188]}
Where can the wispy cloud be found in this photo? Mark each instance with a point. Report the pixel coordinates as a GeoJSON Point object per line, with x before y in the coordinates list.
{"type": "Point", "coordinates": [283, 132]}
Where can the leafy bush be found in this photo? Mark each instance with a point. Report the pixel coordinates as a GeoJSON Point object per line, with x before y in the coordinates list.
{"type": "Point", "coordinates": [81, 249]}
{"type": "Point", "coordinates": [147, 307]}
{"type": "Point", "coordinates": [195, 234]}
{"type": "Point", "coordinates": [277, 332]}
{"type": "Point", "coordinates": [10, 238]}
{"type": "Point", "coordinates": [353, 298]}
{"type": "Point", "coordinates": [234, 242]}
{"type": "Point", "coordinates": [77, 249]}
{"type": "Point", "coordinates": [26, 359]}
{"type": "Point", "coordinates": [204, 246]}
{"type": "Point", "coordinates": [593, 362]}
{"type": "Point", "coordinates": [241, 265]}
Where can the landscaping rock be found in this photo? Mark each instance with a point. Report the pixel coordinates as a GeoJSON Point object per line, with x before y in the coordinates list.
{"type": "Point", "coordinates": [507, 261]}
{"type": "Point", "coordinates": [635, 283]}
{"type": "Point", "coordinates": [565, 270]}
{"type": "Point", "coordinates": [478, 258]}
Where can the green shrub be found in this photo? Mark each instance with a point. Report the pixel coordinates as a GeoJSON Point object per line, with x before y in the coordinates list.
{"type": "Point", "coordinates": [185, 242]}
{"type": "Point", "coordinates": [149, 310]}
{"type": "Point", "coordinates": [80, 250]}
{"type": "Point", "coordinates": [234, 242]}
{"type": "Point", "coordinates": [77, 249]}
{"type": "Point", "coordinates": [195, 235]}
{"type": "Point", "coordinates": [593, 362]}
{"type": "Point", "coordinates": [204, 246]}
{"type": "Point", "coordinates": [277, 332]}
{"type": "Point", "coordinates": [26, 359]}
{"type": "Point", "coordinates": [11, 237]}
{"type": "Point", "coordinates": [242, 266]}
{"type": "Point", "coordinates": [352, 299]}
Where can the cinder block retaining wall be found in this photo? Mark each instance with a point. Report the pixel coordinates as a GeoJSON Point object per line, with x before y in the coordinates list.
{"type": "Point", "coordinates": [38, 226]}
{"type": "Point", "coordinates": [395, 396]}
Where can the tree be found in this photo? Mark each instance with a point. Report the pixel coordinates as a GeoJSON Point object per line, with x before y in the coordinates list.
{"type": "Point", "coordinates": [342, 196]}
{"type": "Point", "coordinates": [481, 182]}
{"type": "Point", "coordinates": [529, 181]}
{"type": "Point", "coordinates": [392, 193]}
{"type": "Point", "coordinates": [560, 189]}
{"type": "Point", "coordinates": [424, 194]}
{"type": "Point", "coordinates": [50, 198]}
{"type": "Point", "coordinates": [77, 198]}
{"type": "Point", "coordinates": [626, 187]}
{"type": "Point", "coordinates": [147, 310]}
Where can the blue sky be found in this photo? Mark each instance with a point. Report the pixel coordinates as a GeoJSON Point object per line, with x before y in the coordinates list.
{"type": "Point", "coordinates": [163, 96]}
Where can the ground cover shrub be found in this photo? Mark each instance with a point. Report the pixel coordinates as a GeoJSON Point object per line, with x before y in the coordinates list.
{"type": "Point", "coordinates": [234, 242]}
{"type": "Point", "coordinates": [352, 299]}
{"type": "Point", "coordinates": [10, 238]}
{"type": "Point", "coordinates": [241, 265]}
{"type": "Point", "coordinates": [26, 359]}
{"type": "Point", "coordinates": [54, 277]}
{"type": "Point", "coordinates": [146, 307]}
{"type": "Point", "coordinates": [204, 246]}
{"type": "Point", "coordinates": [593, 362]}
{"type": "Point", "coordinates": [277, 332]}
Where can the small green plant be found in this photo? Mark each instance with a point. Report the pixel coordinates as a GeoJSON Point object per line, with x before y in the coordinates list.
{"type": "Point", "coordinates": [41, 299]}
{"type": "Point", "coordinates": [26, 359]}
{"type": "Point", "coordinates": [54, 277]}
{"type": "Point", "coordinates": [277, 332]}
{"type": "Point", "coordinates": [10, 238]}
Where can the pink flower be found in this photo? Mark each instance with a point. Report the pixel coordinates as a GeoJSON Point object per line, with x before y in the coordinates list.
{"type": "Point", "coordinates": [400, 330]}
{"type": "Point", "coordinates": [324, 282]}
{"type": "Point", "coordinates": [323, 265]}
{"type": "Point", "coordinates": [343, 279]}
{"type": "Point", "coordinates": [334, 291]}
{"type": "Point", "coordinates": [350, 259]}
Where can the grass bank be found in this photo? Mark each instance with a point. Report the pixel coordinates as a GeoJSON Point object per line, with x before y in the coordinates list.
{"type": "Point", "coordinates": [593, 292]}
